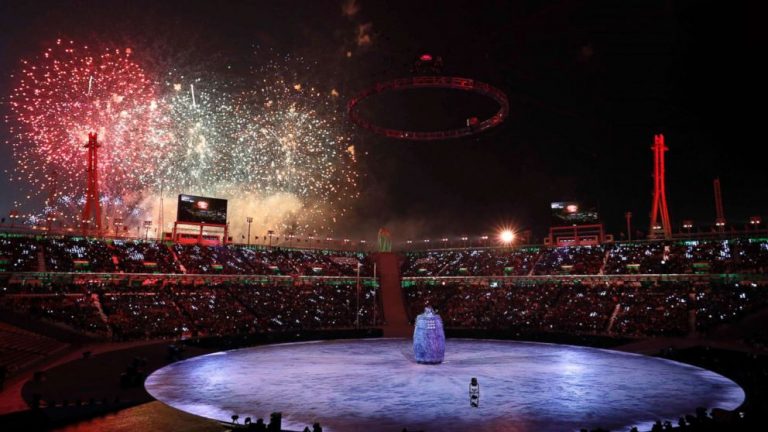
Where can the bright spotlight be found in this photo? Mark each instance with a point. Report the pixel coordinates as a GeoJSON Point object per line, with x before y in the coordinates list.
{"type": "Point", "coordinates": [506, 236]}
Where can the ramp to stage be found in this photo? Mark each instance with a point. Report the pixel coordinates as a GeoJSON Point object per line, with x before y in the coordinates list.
{"type": "Point", "coordinates": [395, 318]}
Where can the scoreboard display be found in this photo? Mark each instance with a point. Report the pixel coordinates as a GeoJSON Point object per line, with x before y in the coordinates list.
{"type": "Point", "coordinates": [198, 209]}
{"type": "Point", "coordinates": [572, 213]}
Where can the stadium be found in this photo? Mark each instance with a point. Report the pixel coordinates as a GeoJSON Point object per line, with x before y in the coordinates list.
{"type": "Point", "coordinates": [266, 217]}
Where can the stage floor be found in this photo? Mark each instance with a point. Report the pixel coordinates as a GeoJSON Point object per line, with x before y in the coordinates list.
{"type": "Point", "coordinates": [373, 385]}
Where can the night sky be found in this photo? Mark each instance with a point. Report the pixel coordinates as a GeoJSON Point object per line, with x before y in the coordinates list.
{"type": "Point", "coordinates": [589, 83]}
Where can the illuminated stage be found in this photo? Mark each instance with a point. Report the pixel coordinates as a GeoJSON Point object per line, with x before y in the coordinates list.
{"type": "Point", "coordinates": [374, 385]}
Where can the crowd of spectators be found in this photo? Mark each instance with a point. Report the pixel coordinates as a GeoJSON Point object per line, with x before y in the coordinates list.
{"type": "Point", "coordinates": [745, 256]}
{"type": "Point", "coordinates": [748, 256]}
{"type": "Point", "coordinates": [156, 308]}
{"type": "Point", "coordinates": [78, 254]}
{"type": "Point", "coordinates": [78, 311]}
{"type": "Point", "coordinates": [212, 310]}
{"type": "Point", "coordinates": [571, 260]}
{"type": "Point", "coordinates": [634, 309]}
{"type": "Point", "coordinates": [70, 254]}
{"type": "Point", "coordinates": [18, 254]}
{"type": "Point", "coordinates": [684, 257]}
{"type": "Point", "coordinates": [142, 315]}
{"type": "Point", "coordinates": [582, 308]}
{"type": "Point", "coordinates": [510, 262]}
{"type": "Point", "coordinates": [651, 309]}
{"type": "Point", "coordinates": [73, 254]}
{"type": "Point", "coordinates": [482, 305]}
{"type": "Point", "coordinates": [159, 307]}
{"type": "Point", "coordinates": [136, 256]}
{"type": "Point", "coordinates": [270, 261]}
{"type": "Point", "coordinates": [718, 306]}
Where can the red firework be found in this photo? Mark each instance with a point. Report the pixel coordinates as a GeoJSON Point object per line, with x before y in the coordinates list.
{"type": "Point", "coordinates": [69, 91]}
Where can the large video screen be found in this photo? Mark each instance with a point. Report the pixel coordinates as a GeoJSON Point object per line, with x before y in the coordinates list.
{"type": "Point", "coordinates": [573, 213]}
{"type": "Point", "coordinates": [201, 209]}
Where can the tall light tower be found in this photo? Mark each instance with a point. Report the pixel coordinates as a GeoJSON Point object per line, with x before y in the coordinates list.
{"type": "Point", "coordinates": [92, 205]}
{"type": "Point", "coordinates": [147, 226]}
{"type": "Point", "coordinates": [660, 225]}
{"type": "Point", "coordinates": [719, 216]}
{"type": "Point", "coordinates": [50, 213]}
{"type": "Point", "coordinates": [160, 220]}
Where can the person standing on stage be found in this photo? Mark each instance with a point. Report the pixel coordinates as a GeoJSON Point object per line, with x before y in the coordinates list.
{"type": "Point", "coordinates": [474, 393]}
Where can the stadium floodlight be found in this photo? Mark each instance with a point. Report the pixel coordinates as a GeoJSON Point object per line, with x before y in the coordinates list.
{"type": "Point", "coordinates": [506, 236]}
{"type": "Point", "coordinates": [118, 222]}
{"type": "Point", "coordinates": [147, 226]}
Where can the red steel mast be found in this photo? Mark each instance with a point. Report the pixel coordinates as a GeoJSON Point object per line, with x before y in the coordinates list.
{"type": "Point", "coordinates": [92, 208]}
{"type": "Point", "coordinates": [660, 210]}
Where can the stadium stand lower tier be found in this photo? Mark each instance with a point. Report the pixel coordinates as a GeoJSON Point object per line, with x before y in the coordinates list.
{"type": "Point", "coordinates": [619, 308]}
{"type": "Point", "coordinates": [161, 310]}
{"type": "Point", "coordinates": [21, 348]}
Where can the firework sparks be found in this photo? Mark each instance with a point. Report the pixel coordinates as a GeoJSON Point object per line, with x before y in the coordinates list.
{"type": "Point", "coordinates": [67, 93]}
{"type": "Point", "coordinates": [274, 137]}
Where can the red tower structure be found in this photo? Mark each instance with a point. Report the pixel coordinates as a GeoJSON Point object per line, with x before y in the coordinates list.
{"type": "Point", "coordinates": [719, 214]}
{"type": "Point", "coordinates": [660, 210]}
{"type": "Point", "coordinates": [92, 208]}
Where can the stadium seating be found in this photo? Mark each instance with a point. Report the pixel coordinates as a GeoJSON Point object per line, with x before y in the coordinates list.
{"type": "Point", "coordinates": [531, 289]}
{"type": "Point", "coordinates": [635, 309]}
{"type": "Point", "coordinates": [20, 348]}
{"type": "Point", "coordinates": [743, 256]}
{"type": "Point", "coordinates": [157, 310]}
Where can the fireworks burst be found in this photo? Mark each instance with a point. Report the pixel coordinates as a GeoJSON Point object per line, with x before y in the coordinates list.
{"type": "Point", "coordinates": [274, 139]}
{"type": "Point", "coordinates": [68, 92]}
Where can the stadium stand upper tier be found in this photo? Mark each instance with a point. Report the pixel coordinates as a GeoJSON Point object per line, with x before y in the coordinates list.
{"type": "Point", "coordinates": [77, 254]}
{"type": "Point", "coordinates": [733, 256]}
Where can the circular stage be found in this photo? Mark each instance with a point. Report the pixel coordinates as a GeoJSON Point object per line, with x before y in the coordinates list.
{"type": "Point", "coordinates": [374, 385]}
